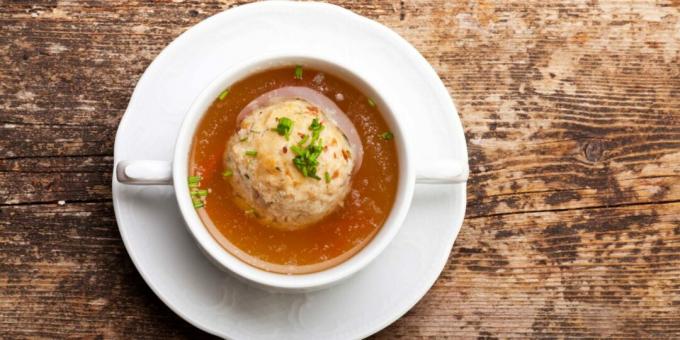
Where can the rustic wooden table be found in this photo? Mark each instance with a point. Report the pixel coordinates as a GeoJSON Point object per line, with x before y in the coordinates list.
{"type": "Point", "coordinates": [572, 116]}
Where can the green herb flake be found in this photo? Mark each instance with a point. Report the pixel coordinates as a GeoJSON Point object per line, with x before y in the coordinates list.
{"type": "Point", "coordinates": [303, 140]}
{"type": "Point", "coordinates": [251, 153]}
{"type": "Point", "coordinates": [371, 102]}
{"type": "Point", "coordinates": [227, 173]}
{"type": "Point", "coordinates": [316, 129]}
{"type": "Point", "coordinates": [327, 177]}
{"type": "Point", "coordinates": [223, 94]}
{"type": "Point", "coordinates": [202, 193]}
{"type": "Point", "coordinates": [193, 181]}
{"type": "Point", "coordinates": [297, 150]}
{"type": "Point", "coordinates": [284, 127]}
{"type": "Point", "coordinates": [197, 203]}
{"type": "Point", "coordinates": [387, 135]}
{"type": "Point", "coordinates": [306, 159]}
{"type": "Point", "coordinates": [298, 72]}
{"type": "Point", "coordinates": [243, 139]}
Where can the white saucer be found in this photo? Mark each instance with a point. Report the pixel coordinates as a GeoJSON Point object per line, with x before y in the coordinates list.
{"type": "Point", "coordinates": [163, 250]}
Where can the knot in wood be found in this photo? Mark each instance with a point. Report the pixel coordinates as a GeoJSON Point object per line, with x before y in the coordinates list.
{"type": "Point", "coordinates": [594, 150]}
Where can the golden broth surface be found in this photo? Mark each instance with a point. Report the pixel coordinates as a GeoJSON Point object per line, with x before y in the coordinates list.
{"type": "Point", "coordinates": [326, 243]}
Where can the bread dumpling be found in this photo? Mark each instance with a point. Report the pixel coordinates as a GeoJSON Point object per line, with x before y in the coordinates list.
{"type": "Point", "coordinates": [292, 165]}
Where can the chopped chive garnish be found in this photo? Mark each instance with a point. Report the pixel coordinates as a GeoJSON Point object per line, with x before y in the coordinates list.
{"type": "Point", "coordinates": [243, 139]}
{"type": "Point", "coordinates": [251, 153]}
{"type": "Point", "coordinates": [298, 72]}
{"type": "Point", "coordinates": [327, 177]}
{"type": "Point", "coordinates": [371, 102]}
{"type": "Point", "coordinates": [387, 135]}
{"type": "Point", "coordinates": [284, 127]}
{"type": "Point", "coordinates": [227, 173]}
{"type": "Point", "coordinates": [196, 193]}
{"type": "Point", "coordinates": [193, 181]}
{"type": "Point", "coordinates": [316, 129]}
{"type": "Point", "coordinates": [306, 159]}
{"type": "Point", "coordinates": [303, 140]}
{"type": "Point", "coordinates": [223, 94]}
{"type": "Point", "coordinates": [296, 150]}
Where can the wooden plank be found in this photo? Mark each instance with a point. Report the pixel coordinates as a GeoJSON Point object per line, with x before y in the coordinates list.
{"type": "Point", "coordinates": [611, 272]}
{"type": "Point", "coordinates": [572, 114]}
{"type": "Point", "coordinates": [64, 272]}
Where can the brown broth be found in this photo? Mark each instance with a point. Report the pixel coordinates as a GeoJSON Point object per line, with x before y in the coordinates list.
{"type": "Point", "coordinates": [326, 243]}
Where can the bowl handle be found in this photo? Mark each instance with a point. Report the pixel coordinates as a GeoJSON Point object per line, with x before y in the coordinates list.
{"type": "Point", "coordinates": [442, 172]}
{"type": "Point", "coordinates": [144, 172]}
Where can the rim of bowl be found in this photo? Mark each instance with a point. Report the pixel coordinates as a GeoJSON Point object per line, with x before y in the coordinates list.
{"type": "Point", "coordinates": [224, 258]}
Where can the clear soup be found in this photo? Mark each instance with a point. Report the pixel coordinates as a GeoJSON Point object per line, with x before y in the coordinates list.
{"type": "Point", "coordinates": [335, 238]}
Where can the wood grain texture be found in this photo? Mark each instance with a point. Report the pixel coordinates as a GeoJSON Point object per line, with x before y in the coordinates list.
{"type": "Point", "coordinates": [572, 114]}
